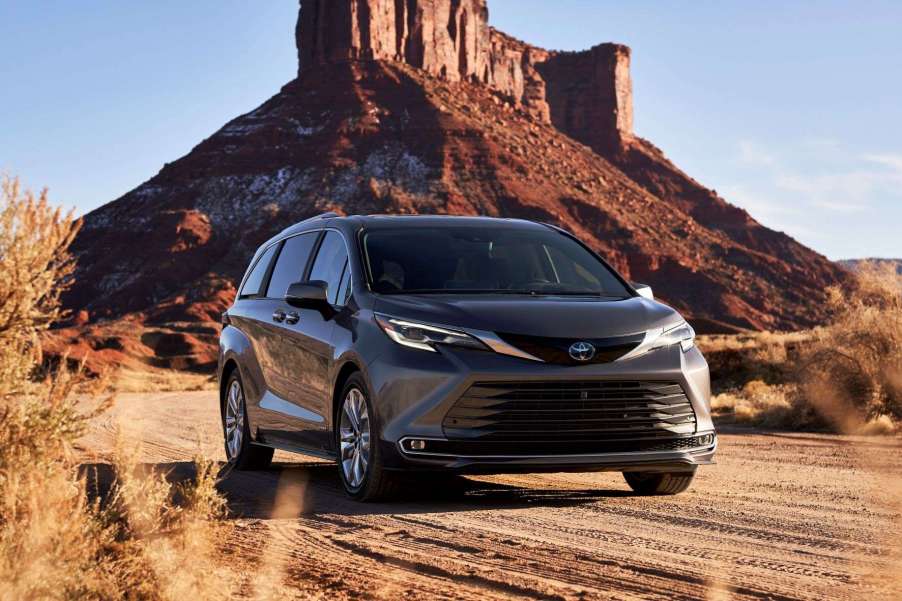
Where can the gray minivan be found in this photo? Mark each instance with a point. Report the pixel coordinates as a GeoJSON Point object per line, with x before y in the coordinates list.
{"type": "Point", "coordinates": [395, 344]}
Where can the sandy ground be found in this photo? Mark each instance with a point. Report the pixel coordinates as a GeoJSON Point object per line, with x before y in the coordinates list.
{"type": "Point", "coordinates": [782, 516]}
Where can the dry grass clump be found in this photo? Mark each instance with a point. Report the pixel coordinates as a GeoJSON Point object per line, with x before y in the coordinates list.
{"type": "Point", "coordinates": [147, 539]}
{"type": "Point", "coordinates": [753, 401]}
{"type": "Point", "coordinates": [844, 377]}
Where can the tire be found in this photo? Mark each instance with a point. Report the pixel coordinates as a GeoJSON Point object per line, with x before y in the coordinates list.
{"type": "Point", "coordinates": [659, 483]}
{"type": "Point", "coordinates": [359, 457]}
{"type": "Point", "coordinates": [241, 452]}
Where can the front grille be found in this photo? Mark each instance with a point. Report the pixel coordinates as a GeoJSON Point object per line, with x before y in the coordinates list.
{"type": "Point", "coordinates": [570, 412]}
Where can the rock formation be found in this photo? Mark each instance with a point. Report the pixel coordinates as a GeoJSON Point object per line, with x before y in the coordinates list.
{"type": "Point", "coordinates": [442, 37]}
{"type": "Point", "coordinates": [419, 106]}
{"type": "Point", "coordinates": [587, 94]}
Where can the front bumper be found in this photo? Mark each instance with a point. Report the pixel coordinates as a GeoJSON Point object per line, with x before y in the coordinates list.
{"type": "Point", "coordinates": [670, 461]}
{"type": "Point", "coordinates": [415, 390]}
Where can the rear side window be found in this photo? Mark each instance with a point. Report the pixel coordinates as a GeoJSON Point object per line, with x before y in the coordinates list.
{"type": "Point", "coordinates": [254, 281]}
{"type": "Point", "coordinates": [330, 264]}
{"type": "Point", "coordinates": [291, 264]}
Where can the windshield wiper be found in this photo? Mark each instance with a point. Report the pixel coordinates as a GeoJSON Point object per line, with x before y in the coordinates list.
{"type": "Point", "coordinates": [445, 291]}
{"type": "Point", "coordinates": [553, 292]}
{"type": "Point", "coordinates": [592, 294]}
{"type": "Point", "coordinates": [507, 291]}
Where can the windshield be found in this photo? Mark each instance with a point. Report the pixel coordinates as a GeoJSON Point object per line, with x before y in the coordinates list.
{"type": "Point", "coordinates": [461, 260]}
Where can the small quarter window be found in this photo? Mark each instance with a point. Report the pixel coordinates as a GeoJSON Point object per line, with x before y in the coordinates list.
{"type": "Point", "coordinates": [344, 291]}
{"type": "Point", "coordinates": [254, 281]}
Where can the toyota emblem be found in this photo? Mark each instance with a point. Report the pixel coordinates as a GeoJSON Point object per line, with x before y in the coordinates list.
{"type": "Point", "coordinates": [582, 351]}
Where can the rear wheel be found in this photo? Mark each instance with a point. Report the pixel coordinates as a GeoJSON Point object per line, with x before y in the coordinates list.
{"type": "Point", "coordinates": [240, 452]}
{"type": "Point", "coordinates": [357, 437]}
{"type": "Point", "coordinates": [659, 483]}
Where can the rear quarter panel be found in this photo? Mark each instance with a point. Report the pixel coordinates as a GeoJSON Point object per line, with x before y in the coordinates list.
{"type": "Point", "coordinates": [235, 346]}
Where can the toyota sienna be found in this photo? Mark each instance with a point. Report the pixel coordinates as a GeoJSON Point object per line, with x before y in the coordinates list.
{"type": "Point", "coordinates": [394, 344]}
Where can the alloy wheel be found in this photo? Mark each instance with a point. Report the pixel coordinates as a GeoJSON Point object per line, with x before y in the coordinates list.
{"type": "Point", "coordinates": [234, 419]}
{"type": "Point", "coordinates": [354, 438]}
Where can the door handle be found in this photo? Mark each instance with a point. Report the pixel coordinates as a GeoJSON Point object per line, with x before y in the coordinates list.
{"type": "Point", "coordinates": [292, 318]}
{"type": "Point", "coordinates": [278, 315]}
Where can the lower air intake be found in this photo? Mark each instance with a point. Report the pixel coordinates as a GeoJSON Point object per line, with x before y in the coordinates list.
{"type": "Point", "coordinates": [536, 413]}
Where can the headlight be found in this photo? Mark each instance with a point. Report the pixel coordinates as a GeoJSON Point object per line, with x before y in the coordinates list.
{"type": "Point", "coordinates": [681, 334]}
{"type": "Point", "coordinates": [424, 336]}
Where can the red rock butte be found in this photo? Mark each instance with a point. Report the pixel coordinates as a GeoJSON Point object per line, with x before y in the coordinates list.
{"type": "Point", "coordinates": [419, 106]}
{"type": "Point", "coordinates": [585, 94]}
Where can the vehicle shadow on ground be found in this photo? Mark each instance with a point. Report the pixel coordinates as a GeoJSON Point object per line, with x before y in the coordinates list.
{"type": "Point", "coordinates": [288, 490]}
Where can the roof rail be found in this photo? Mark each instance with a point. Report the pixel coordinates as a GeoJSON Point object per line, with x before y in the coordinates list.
{"type": "Point", "coordinates": [292, 228]}
{"type": "Point", "coordinates": [328, 215]}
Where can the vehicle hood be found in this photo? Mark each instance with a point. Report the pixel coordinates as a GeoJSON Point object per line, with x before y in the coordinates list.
{"type": "Point", "coordinates": [561, 317]}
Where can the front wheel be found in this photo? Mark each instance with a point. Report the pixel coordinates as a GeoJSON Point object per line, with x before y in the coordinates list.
{"type": "Point", "coordinates": [359, 458]}
{"type": "Point", "coordinates": [659, 483]}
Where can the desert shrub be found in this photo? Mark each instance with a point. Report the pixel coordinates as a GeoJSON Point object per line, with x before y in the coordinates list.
{"type": "Point", "coordinates": [147, 540]}
{"type": "Point", "coordinates": [846, 376]}
{"type": "Point", "coordinates": [852, 370]}
{"type": "Point", "coordinates": [34, 269]}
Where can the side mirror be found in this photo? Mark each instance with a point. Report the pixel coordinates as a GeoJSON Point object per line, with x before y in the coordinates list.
{"type": "Point", "coordinates": [308, 295]}
{"type": "Point", "coordinates": [644, 290]}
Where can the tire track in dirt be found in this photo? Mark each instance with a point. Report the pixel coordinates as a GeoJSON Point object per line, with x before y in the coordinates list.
{"type": "Point", "coordinates": [335, 556]}
{"type": "Point", "coordinates": [547, 556]}
{"type": "Point", "coordinates": [780, 517]}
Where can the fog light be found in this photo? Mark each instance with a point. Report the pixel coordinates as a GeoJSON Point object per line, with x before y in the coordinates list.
{"type": "Point", "coordinates": [417, 445]}
{"type": "Point", "coordinates": [707, 439]}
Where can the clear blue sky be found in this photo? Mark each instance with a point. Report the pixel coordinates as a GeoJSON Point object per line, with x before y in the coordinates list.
{"type": "Point", "coordinates": [790, 109]}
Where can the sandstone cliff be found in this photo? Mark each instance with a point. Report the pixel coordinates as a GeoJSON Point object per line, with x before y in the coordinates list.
{"type": "Point", "coordinates": [587, 92]}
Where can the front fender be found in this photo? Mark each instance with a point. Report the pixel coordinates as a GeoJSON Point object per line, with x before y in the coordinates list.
{"type": "Point", "coordinates": [346, 357]}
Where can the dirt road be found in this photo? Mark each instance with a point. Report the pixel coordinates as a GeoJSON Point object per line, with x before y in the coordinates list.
{"type": "Point", "coordinates": [781, 516]}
